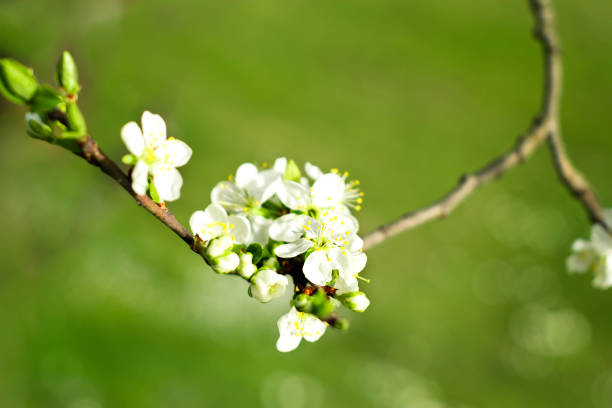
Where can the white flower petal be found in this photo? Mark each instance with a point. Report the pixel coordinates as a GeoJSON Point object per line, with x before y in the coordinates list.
{"type": "Point", "coordinates": [288, 342]}
{"type": "Point", "coordinates": [317, 268]}
{"type": "Point", "coordinates": [260, 227]}
{"type": "Point", "coordinates": [293, 195]}
{"type": "Point", "coordinates": [168, 184]}
{"type": "Point", "coordinates": [153, 129]}
{"type": "Point", "coordinates": [241, 230]}
{"type": "Point", "coordinates": [328, 190]}
{"type": "Point", "coordinates": [293, 249]}
{"type": "Point", "coordinates": [312, 171]}
{"type": "Point", "coordinates": [601, 239]}
{"type": "Point", "coordinates": [140, 174]}
{"type": "Point", "coordinates": [285, 228]}
{"type": "Point", "coordinates": [246, 174]}
{"type": "Point", "coordinates": [173, 152]}
{"type": "Point", "coordinates": [216, 213]}
{"type": "Point", "coordinates": [603, 274]}
{"type": "Point", "coordinates": [229, 196]}
{"type": "Point", "coordinates": [133, 139]}
{"type": "Point", "coordinates": [268, 285]}
{"type": "Point", "coordinates": [280, 165]}
{"type": "Point", "coordinates": [312, 327]}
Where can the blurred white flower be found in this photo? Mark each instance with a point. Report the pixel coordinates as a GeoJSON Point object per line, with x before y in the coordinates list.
{"type": "Point", "coordinates": [594, 255]}
{"type": "Point", "coordinates": [267, 285]}
{"type": "Point", "coordinates": [294, 326]}
{"type": "Point", "coordinates": [156, 156]}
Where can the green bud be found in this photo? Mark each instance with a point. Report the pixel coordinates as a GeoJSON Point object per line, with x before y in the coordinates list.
{"type": "Point", "coordinates": [323, 310]}
{"type": "Point", "coordinates": [256, 249]}
{"type": "Point", "coordinates": [67, 75]}
{"type": "Point", "coordinates": [356, 301]}
{"type": "Point", "coordinates": [46, 99]}
{"type": "Point", "coordinates": [17, 82]}
{"type": "Point", "coordinates": [76, 121]}
{"type": "Point", "coordinates": [292, 172]}
{"type": "Point", "coordinates": [37, 128]}
{"type": "Point", "coordinates": [153, 192]}
{"type": "Point", "coordinates": [341, 323]}
{"type": "Point", "coordinates": [303, 303]}
{"type": "Point", "coordinates": [129, 159]}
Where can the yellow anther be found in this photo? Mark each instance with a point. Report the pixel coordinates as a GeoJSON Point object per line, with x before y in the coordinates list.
{"type": "Point", "coordinates": [360, 200]}
{"type": "Point", "coordinates": [334, 170]}
{"type": "Point", "coordinates": [347, 232]}
{"type": "Point", "coordinates": [230, 177]}
{"type": "Point", "coordinates": [231, 225]}
{"type": "Point", "coordinates": [346, 173]}
{"type": "Point", "coordinates": [361, 193]}
{"type": "Point", "coordinates": [171, 138]}
{"type": "Point", "coordinates": [358, 208]}
{"type": "Point", "coordinates": [357, 182]}
{"type": "Point", "coordinates": [264, 164]}
{"type": "Point", "coordinates": [309, 222]}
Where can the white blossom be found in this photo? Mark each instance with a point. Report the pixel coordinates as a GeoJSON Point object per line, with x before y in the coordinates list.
{"type": "Point", "coordinates": [594, 255]}
{"type": "Point", "coordinates": [214, 222]}
{"type": "Point", "coordinates": [267, 285]}
{"type": "Point", "coordinates": [331, 243]}
{"type": "Point", "coordinates": [294, 326]}
{"type": "Point", "coordinates": [156, 155]}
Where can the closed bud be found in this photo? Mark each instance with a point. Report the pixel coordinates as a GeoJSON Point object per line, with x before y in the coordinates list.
{"type": "Point", "coordinates": [341, 323]}
{"type": "Point", "coordinates": [67, 74]}
{"type": "Point", "coordinates": [356, 301]}
{"type": "Point", "coordinates": [36, 127]}
{"type": "Point", "coordinates": [303, 303]}
{"type": "Point", "coordinates": [227, 263]}
{"type": "Point", "coordinates": [17, 82]}
{"type": "Point", "coordinates": [219, 246]}
{"type": "Point", "coordinates": [76, 121]}
{"type": "Point", "coordinates": [246, 269]}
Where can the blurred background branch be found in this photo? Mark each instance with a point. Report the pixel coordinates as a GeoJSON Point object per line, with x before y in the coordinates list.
{"type": "Point", "coordinates": [546, 126]}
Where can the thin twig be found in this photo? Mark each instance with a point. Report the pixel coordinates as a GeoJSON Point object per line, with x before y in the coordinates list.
{"type": "Point", "coordinates": [96, 157]}
{"type": "Point", "coordinates": [546, 126]}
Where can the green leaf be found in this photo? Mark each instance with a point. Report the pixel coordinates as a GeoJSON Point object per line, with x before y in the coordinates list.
{"type": "Point", "coordinates": [292, 172]}
{"type": "Point", "coordinates": [46, 99]}
{"type": "Point", "coordinates": [67, 75]}
{"type": "Point", "coordinates": [17, 82]}
{"type": "Point", "coordinates": [129, 159]}
{"type": "Point", "coordinates": [257, 250]}
{"type": "Point", "coordinates": [76, 121]}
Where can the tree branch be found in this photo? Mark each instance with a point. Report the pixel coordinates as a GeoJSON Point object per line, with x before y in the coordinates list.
{"type": "Point", "coordinates": [90, 151]}
{"type": "Point", "coordinates": [546, 126]}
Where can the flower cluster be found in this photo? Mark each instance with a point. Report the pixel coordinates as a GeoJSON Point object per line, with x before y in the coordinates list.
{"type": "Point", "coordinates": [267, 224]}
{"type": "Point", "coordinates": [271, 225]}
{"type": "Point", "coordinates": [594, 255]}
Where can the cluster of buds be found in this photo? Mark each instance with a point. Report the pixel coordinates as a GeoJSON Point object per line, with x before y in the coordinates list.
{"type": "Point", "coordinates": [275, 226]}
{"type": "Point", "coordinates": [54, 115]}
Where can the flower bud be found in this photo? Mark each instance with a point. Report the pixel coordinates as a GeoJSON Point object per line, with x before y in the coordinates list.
{"type": "Point", "coordinates": [356, 301]}
{"type": "Point", "coordinates": [36, 127]}
{"type": "Point", "coordinates": [267, 285]}
{"type": "Point", "coordinates": [67, 75]}
{"type": "Point", "coordinates": [219, 246]}
{"type": "Point", "coordinates": [76, 121]}
{"type": "Point", "coordinates": [17, 82]}
{"type": "Point", "coordinates": [246, 268]}
{"type": "Point", "coordinates": [227, 263]}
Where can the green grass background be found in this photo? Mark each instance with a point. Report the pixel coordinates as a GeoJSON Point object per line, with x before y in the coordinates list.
{"type": "Point", "coordinates": [100, 306]}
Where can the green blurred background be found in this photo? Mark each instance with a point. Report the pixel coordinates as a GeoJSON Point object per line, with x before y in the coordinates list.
{"type": "Point", "coordinates": [100, 306]}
